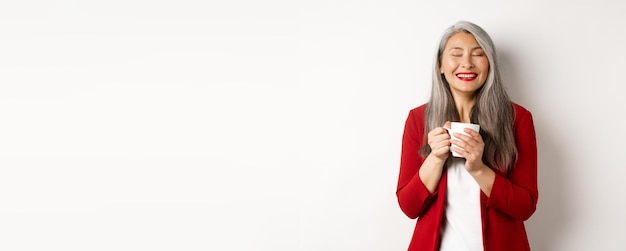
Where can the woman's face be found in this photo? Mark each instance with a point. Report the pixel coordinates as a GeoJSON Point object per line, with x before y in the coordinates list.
{"type": "Point", "coordinates": [464, 64]}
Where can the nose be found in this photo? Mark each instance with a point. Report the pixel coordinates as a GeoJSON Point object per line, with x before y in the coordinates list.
{"type": "Point", "coordinates": [466, 62]}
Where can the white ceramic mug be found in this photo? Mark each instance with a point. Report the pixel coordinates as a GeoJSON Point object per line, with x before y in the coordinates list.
{"type": "Point", "coordinates": [458, 128]}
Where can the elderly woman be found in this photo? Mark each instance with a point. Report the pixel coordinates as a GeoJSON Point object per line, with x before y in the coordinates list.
{"type": "Point", "coordinates": [478, 201]}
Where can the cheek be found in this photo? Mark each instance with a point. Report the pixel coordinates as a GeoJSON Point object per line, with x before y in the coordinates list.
{"type": "Point", "coordinates": [447, 66]}
{"type": "Point", "coordinates": [485, 64]}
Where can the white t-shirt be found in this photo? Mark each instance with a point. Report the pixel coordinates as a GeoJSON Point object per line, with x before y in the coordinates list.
{"type": "Point", "coordinates": [461, 229]}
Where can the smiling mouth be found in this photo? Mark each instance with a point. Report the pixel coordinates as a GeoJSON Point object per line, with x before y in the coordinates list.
{"type": "Point", "coordinates": [467, 76]}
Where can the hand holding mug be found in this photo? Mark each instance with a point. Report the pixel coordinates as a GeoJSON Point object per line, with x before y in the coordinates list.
{"type": "Point", "coordinates": [467, 143]}
{"type": "Point", "coordinates": [439, 141]}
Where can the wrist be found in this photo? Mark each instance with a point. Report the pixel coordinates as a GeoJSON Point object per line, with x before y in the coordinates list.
{"type": "Point", "coordinates": [435, 158]}
{"type": "Point", "coordinates": [479, 170]}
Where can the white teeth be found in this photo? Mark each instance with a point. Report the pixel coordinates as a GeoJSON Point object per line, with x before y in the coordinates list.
{"type": "Point", "coordinates": [466, 75]}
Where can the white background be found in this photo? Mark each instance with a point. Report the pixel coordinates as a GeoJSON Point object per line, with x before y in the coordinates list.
{"type": "Point", "coordinates": [276, 125]}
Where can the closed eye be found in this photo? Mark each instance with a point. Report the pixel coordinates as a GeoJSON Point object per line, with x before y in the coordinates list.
{"type": "Point", "coordinates": [478, 52]}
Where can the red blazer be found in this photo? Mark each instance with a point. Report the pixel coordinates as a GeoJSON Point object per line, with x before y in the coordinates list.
{"type": "Point", "coordinates": [513, 196]}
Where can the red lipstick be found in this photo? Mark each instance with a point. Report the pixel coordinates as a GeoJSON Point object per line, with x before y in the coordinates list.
{"type": "Point", "coordinates": [466, 76]}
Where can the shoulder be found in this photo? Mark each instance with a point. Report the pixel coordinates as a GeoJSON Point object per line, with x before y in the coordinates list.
{"type": "Point", "coordinates": [419, 111]}
{"type": "Point", "coordinates": [520, 111]}
{"type": "Point", "coordinates": [522, 115]}
{"type": "Point", "coordinates": [415, 120]}
{"type": "Point", "coordinates": [414, 126]}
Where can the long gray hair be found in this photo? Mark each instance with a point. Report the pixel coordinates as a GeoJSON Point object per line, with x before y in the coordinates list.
{"type": "Point", "coordinates": [493, 110]}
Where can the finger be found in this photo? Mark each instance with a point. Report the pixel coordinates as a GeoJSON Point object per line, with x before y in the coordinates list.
{"type": "Point", "coordinates": [467, 144]}
{"type": "Point", "coordinates": [461, 136]}
{"type": "Point", "coordinates": [437, 131]}
{"type": "Point", "coordinates": [436, 148]}
{"type": "Point", "coordinates": [466, 149]}
{"type": "Point", "coordinates": [434, 139]}
{"type": "Point", "coordinates": [468, 152]}
{"type": "Point", "coordinates": [443, 130]}
{"type": "Point", "coordinates": [472, 133]}
{"type": "Point", "coordinates": [459, 144]}
{"type": "Point", "coordinates": [443, 150]}
{"type": "Point", "coordinates": [441, 141]}
{"type": "Point", "coordinates": [440, 137]}
{"type": "Point", "coordinates": [440, 144]}
{"type": "Point", "coordinates": [466, 138]}
{"type": "Point", "coordinates": [458, 150]}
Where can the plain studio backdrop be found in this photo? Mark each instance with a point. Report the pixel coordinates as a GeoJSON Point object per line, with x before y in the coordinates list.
{"type": "Point", "coordinates": [277, 125]}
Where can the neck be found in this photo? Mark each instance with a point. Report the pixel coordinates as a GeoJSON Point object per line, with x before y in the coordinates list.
{"type": "Point", "coordinates": [464, 105]}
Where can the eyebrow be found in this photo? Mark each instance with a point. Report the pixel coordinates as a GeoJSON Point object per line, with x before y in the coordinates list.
{"type": "Point", "coordinates": [459, 48]}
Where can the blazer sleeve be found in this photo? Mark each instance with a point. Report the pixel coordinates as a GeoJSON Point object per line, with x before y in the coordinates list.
{"type": "Point", "coordinates": [516, 193]}
{"type": "Point", "coordinates": [413, 196]}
